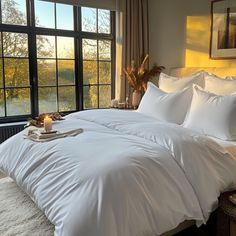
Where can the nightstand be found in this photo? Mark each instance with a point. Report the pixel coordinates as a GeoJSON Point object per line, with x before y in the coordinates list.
{"type": "Point", "coordinates": [226, 217]}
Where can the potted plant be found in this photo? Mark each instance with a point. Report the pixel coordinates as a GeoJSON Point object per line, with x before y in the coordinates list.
{"type": "Point", "coordinates": [138, 78]}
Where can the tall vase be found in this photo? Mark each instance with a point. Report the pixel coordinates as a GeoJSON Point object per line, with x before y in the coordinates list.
{"type": "Point", "coordinates": [136, 98]}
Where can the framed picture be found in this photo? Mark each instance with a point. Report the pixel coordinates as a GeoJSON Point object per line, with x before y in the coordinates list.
{"type": "Point", "coordinates": [223, 29]}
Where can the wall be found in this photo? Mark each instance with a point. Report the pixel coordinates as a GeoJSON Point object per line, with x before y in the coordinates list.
{"type": "Point", "coordinates": [180, 34]}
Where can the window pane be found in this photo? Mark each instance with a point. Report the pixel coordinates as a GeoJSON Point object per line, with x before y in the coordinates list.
{"type": "Point", "coordinates": [89, 49]}
{"type": "Point", "coordinates": [66, 97]}
{"type": "Point", "coordinates": [1, 79]}
{"type": "Point", "coordinates": [65, 47]}
{"type": "Point", "coordinates": [46, 46]}
{"type": "Point", "coordinates": [2, 109]}
{"type": "Point", "coordinates": [89, 19]}
{"type": "Point", "coordinates": [14, 12]}
{"type": "Point", "coordinates": [104, 21]}
{"type": "Point", "coordinates": [15, 44]}
{"type": "Point", "coordinates": [104, 47]}
{"type": "Point", "coordinates": [105, 72]}
{"type": "Point", "coordinates": [47, 100]}
{"type": "Point", "coordinates": [16, 72]}
{"type": "Point", "coordinates": [18, 101]}
{"type": "Point", "coordinates": [65, 16]}
{"type": "Point", "coordinates": [90, 72]}
{"type": "Point", "coordinates": [66, 72]}
{"type": "Point", "coordinates": [90, 97]}
{"type": "Point", "coordinates": [104, 96]}
{"type": "Point", "coordinates": [46, 72]}
{"type": "Point", "coordinates": [44, 14]}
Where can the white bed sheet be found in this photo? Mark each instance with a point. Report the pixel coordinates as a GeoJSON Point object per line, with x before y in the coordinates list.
{"type": "Point", "coordinates": [230, 146]}
{"type": "Point", "coordinates": [126, 175]}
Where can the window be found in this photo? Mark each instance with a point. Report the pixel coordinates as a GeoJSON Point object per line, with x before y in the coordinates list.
{"type": "Point", "coordinates": [54, 57]}
{"type": "Point", "coordinates": [97, 56]}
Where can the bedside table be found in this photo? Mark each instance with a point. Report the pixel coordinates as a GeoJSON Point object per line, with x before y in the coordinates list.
{"type": "Point", "coordinates": [226, 217]}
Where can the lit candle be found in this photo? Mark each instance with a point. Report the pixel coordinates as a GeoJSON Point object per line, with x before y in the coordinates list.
{"type": "Point", "coordinates": [47, 124]}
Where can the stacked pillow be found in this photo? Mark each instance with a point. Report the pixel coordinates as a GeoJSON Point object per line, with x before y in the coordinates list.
{"type": "Point", "coordinates": [172, 84]}
{"type": "Point", "coordinates": [201, 102]}
{"type": "Point", "coordinates": [213, 115]}
{"type": "Point", "coordinates": [220, 86]}
{"type": "Point", "coordinates": [168, 107]}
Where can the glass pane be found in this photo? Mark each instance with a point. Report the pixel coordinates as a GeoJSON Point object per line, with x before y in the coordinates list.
{"type": "Point", "coordinates": [89, 19]}
{"type": "Point", "coordinates": [44, 14]}
{"type": "Point", "coordinates": [46, 72]}
{"type": "Point", "coordinates": [104, 21]}
{"type": "Point", "coordinates": [66, 72]}
{"type": "Point", "coordinates": [18, 101]}
{"type": "Point", "coordinates": [1, 79]}
{"type": "Point", "coordinates": [65, 17]}
{"type": "Point", "coordinates": [89, 49]}
{"type": "Point", "coordinates": [65, 47]}
{"type": "Point", "coordinates": [14, 12]}
{"type": "Point", "coordinates": [16, 72]}
{"type": "Point", "coordinates": [104, 96]}
{"type": "Point", "coordinates": [15, 44]}
{"type": "Point", "coordinates": [104, 72]}
{"type": "Point", "coordinates": [66, 97]}
{"type": "Point", "coordinates": [90, 72]}
{"type": "Point", "coordinates": [90, 97]}
{"type": "Point", "coordinates": [2, 109]}
{"type": "Point", "coordinates": [104, 47]}
{"type": "Point", "coordinates": [46, 46]}
{"type": "Point", "coordinates": [47, 100]}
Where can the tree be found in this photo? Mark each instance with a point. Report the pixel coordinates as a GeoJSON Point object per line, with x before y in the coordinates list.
{"type": "Point", "coordinates": [16, 67]}
{"type": "Point", "coordinates": [90, 55]}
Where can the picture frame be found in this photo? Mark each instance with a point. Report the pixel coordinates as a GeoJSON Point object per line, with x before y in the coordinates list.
{"type": "Point", "coordinates": [223, 30]}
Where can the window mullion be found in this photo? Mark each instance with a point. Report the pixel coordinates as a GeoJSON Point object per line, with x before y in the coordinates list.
{"type": "Point", "coordinates": [33, 74]}
{"type": "Point", "coordinates": [79, 58]}
{"type": "Point", "coordinates": [113, 54]}
{"type": "Point", "coordinates": [3, 77]}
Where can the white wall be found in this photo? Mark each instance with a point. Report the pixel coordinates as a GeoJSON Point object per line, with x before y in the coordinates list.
{"type": "Point", "coordinates": [180, 34]}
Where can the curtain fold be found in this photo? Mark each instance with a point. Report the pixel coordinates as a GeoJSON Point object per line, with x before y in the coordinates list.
{"type": "Point", "coordinates": [132, 40]}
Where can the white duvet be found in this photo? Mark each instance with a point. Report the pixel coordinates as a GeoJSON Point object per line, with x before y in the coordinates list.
{"type": "Point", "coordinates": [125, 175]}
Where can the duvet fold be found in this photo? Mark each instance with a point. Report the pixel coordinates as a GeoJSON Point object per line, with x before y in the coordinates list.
{"type": "Point", "coordinates": [125, 175]}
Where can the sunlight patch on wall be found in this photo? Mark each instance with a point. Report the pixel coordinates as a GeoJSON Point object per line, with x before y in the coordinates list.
{"type": "Point", "coordinates": [198, 44]}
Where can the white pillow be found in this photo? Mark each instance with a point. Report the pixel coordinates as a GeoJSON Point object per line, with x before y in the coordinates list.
{"type": "Point", "coordinates": [170, 107]}
{"type": "Point", "coordinates": [230, 77]}
{"type": "Point", "coordinates": [172, 84]}
{"type": "Point", "coordinates": [220, 86]}
{"type": "Point", "coordinates": [212, 114]}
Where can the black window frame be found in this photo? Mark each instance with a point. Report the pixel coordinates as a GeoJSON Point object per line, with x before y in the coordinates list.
{"type": "Point", "coordinates": [78, 35]}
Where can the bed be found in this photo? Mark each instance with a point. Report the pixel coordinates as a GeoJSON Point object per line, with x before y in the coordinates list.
{"type": "Point", "coordinates": [126, 174]}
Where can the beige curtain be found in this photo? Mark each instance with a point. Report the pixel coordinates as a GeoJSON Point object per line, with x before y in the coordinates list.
{"type": "Point", "coordinates": [132, 39]}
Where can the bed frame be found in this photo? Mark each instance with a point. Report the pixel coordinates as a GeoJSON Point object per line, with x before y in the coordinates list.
{"type": "Point", "coordinates": [219, 71]}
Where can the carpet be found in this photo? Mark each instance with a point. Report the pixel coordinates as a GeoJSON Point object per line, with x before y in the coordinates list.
{"type": "Point", "coordinates": [19, 216]}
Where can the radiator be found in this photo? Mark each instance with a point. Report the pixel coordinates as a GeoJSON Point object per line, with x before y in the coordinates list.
{"type": "Point", "coordinates": [9, 130]}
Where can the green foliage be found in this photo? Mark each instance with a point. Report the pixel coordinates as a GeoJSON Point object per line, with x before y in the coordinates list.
{"type": "Point", "coordinates": [16, 67]}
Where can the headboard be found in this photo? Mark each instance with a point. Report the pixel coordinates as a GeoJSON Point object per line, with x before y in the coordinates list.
{"type": "Point", "coordinates": [219, 71]}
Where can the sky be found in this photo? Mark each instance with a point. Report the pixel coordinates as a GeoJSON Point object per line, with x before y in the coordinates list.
{"type": "Point", "coordinates": [45, 14]}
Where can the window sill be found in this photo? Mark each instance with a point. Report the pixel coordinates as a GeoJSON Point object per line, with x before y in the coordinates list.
{"type": "Point", "coordinates": [13, 124]}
